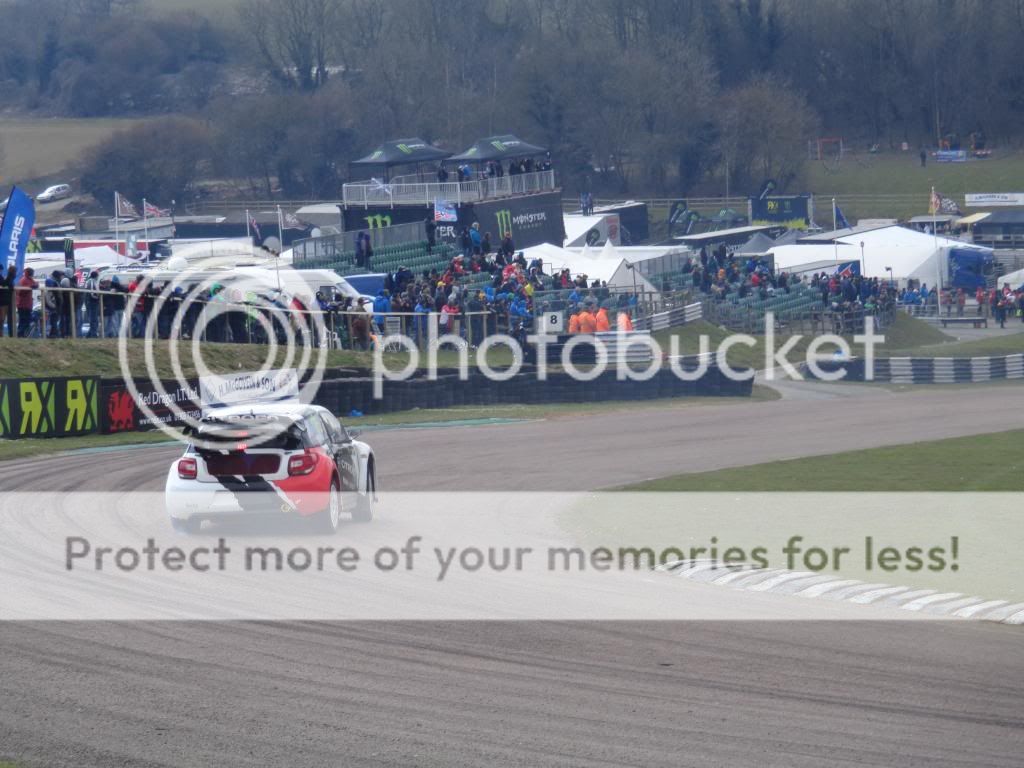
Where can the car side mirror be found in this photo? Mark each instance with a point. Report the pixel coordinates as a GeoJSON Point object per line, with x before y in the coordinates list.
{"type": "Point", "coordinates": [354, 433]}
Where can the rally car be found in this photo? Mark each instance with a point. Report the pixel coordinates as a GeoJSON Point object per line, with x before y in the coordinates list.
{"type": "Point", "coordinates": [275, 458]}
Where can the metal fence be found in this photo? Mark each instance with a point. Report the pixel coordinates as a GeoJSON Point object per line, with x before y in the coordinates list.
{"type": "Point", "coordinates": [367, 193]}
{"type": "Point", "coordinates": [335, 246]}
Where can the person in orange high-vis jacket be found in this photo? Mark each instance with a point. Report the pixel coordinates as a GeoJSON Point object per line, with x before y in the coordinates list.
{"type": "Point", "coordinates": [574, 322]}
{"type": "Point", "coordinates": [588, 323]}
{"type": "Point", "coordinates": [624, 322]}
{"type": "Point", "coordinates": [601, 320]}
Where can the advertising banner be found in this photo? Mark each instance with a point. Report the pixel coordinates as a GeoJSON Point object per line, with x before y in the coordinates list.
{"type": "Point", "coordinates": [781, 209]}
{"type": "Point", "coordinates": [19, 218]}
{"type": "Point", "coordinates": [994, 199]}
{"type": "Point", "coordinates": [120, 411]}
{"type": "Point", "coordinates": [532, 219]}
{"type": "Point", "coordinates": [219, 391]}
{"type": "Point", "coordinates": [53, 407]}
{"type": "Point", "coordinates": [951, 156]}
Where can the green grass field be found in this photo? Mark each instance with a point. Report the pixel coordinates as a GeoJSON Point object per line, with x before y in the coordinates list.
{"type": "Point", "coordinates": [893, 185]}
{"type": "Point", "coordinates": [35, 148]}
{"type": "Point", "coordinates": [993, 462]}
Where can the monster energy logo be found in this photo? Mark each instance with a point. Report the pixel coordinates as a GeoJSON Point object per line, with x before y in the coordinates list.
{"type": "Point", "coordinates": [376, 153]}
{"type": "Point", "coordinates": [378, 221]}
{"type": "Point", "coordinates": [499, 146]}
{"type": "Point", "coordinates": [504, 218]}
{"type": "Point", "coordinates": [404, 148]}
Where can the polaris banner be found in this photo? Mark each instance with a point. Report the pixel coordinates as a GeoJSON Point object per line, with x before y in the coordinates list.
{"type": "Point", "coordinates": [16, 230]}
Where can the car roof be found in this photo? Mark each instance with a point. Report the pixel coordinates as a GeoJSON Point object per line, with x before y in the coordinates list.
{"type": "Point", "coordinates": [294, 410]}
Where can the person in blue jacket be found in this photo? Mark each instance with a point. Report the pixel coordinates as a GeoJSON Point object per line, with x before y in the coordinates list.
{"type": "Point", "coordinates": [476, 238]}
{"type": "Point", "coordinates": [381, 306]}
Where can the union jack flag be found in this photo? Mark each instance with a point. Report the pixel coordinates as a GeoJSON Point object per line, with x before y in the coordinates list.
{"type": "Point", "coordinates": [445, 211]}
{"type": "Point", "coordinates": [153, 212]}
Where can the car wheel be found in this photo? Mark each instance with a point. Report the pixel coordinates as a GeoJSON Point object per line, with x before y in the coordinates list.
{"type": "Point", "coordinates": [187, 525]}
{"type": "Point", "coordinates": [363, 511]}
{"type": "Point", "coordinates": [329, 519]}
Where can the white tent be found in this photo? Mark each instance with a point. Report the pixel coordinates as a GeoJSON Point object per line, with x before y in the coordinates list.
{"type": "Point", "coordinates": [578, 228]}
{"type": "Point", "coordinates": [613, 272]}
{"type": "Point", "coordinates": [1015, 279]}
{"type": "Point", "coordinates": [908, 253]}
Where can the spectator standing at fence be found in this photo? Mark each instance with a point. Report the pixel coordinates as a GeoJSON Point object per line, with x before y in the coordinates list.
{"type": "Point", "coordinates": [24, 301]}
{"type": "Point", "coordinates": [961, 301]}
{"type": "Point", "coordinates": [601, 322]}
{"type": "Point", "coordinates": [998, 308]}
{"type": "Point", "coordinates": [51, 300]}
{"type": "Point", "coordinates": [431, 229]}
{"type": "Point", "coordinates": [979, 297]}
{"type": "Point", "coordinates": [476, 239]}
{"type": "Point", "coordinates": [381, 306]}
{"type": "Point", "coordinates": [442, 173]}
{"type": "Point", "coordinates": [92, 304]}
{"type": "Point", "coordinates": [7, 300]}
{"type": "Point", "coordinates": [67, 305]}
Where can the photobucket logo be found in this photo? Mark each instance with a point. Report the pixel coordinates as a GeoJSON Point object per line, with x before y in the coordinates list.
{"type": "Point", "coordinates": [635, 356]}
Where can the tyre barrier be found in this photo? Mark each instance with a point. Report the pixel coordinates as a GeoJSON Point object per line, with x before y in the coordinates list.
{"type": "Point", "coordinates": [926, 370]}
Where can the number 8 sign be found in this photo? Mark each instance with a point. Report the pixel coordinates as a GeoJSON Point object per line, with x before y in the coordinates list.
{"type": "Point", "coordinates": [554, 322]}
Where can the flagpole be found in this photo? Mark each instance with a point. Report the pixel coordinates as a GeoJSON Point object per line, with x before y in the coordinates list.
{"type": "Point", "coordinates": [248, 234]}
{"type": "Point", "coordinates": [280, 235]}
{"type": "Point", "coordinates": [117, 237]}
{"type": "Point", "coordinates": [145, 226]}
{"type": "Point", "coordinates": [938, 257]}
{"type": "Point", "coordinates": [835, 241]}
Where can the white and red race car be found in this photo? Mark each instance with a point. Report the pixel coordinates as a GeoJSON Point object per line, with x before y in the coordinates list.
{"type": "Point", "coordinates": [271, 458]}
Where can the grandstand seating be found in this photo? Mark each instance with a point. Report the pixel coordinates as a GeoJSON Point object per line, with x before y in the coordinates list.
{"type": "Point", "coordinates": [388, 259]}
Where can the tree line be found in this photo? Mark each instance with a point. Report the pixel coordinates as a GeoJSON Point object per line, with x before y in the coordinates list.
{"type": "Point", "coordinates": [658, 96]}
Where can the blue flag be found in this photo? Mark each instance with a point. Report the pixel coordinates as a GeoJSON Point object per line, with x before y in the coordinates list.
{"type": "Point", "coordinates": [841, 222]}
{"type": "Point", "coordinates": [16, 230]}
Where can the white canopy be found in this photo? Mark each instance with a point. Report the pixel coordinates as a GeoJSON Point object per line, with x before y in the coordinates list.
{"type": "Point", "coordinates": [1015, 279]}
{"type": "Point", "coordinates": [578, 227]}
{"type": "Point", "coordinates": [613, 272]}
{"type": "Point", "coordinates": [909, 253]}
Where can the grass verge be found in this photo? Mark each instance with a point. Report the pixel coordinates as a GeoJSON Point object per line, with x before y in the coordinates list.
{"type": "Point", "coordinates": [993, 462]}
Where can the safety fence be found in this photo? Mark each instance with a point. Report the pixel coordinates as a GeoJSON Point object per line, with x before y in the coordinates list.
{"type": "Point", "coordinates": [927, 370]}
{"type": "Point", "coordinates": [374, 192]}
{"type": "Point", "coordinates": [682, 315]}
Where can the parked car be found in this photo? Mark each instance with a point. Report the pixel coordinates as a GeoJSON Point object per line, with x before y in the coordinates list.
{"type": "Point", "coordinates": [56, 192]}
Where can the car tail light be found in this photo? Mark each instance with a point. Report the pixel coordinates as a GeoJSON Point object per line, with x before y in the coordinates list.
{"type": "Point", "coordinates": [302, 463]}
{"type": "Point", "coordinates": [187, 469]}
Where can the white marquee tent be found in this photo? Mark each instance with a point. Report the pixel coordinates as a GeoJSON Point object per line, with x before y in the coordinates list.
{"type": "Point", "coordinates": [909, 254]}
{"type": "Point", "coordinates": [606, 266]}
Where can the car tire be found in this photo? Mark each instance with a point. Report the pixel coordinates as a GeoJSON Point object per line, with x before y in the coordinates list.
{"type": "Point", "coordinates": [328, 520]}
{"type": "Point", "coordinates": [187, 525]}
{"type": "Point", "coordinates": [363, 510]}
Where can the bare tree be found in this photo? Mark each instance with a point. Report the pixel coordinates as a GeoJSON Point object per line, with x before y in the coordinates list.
{"type": "Point", "coordinates": [294, 37]}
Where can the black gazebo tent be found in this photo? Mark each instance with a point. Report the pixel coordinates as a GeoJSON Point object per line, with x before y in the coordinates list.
{"type": "Point", "coordinates": [402, 152]}
{"type": "Point", "coordinates": [498, 148]}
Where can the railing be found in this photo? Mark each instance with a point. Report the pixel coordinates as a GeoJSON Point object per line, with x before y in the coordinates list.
{"type": "Point", "coordinates": [341, 244]}
{"type": "Point", "coordinates": [367, 193]}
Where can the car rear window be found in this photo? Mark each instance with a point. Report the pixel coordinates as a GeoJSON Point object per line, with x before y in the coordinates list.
{"type": "Point", "coordinates": [238, 436]}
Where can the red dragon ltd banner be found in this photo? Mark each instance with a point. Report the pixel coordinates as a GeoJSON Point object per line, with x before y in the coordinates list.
{"type": "Point", "coordinates": [121, 412]}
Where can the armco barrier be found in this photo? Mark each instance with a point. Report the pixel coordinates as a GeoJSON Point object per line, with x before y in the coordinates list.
{"type": "Point", "coordinates": [673, 317]}
{"type": "Point", "coordinates": [929, 370]}
{"type": "Point", "coordinates": [50, 407]}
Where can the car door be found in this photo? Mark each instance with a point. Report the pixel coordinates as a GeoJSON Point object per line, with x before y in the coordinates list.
{"type": "Point", "coordinates": [344, 452]}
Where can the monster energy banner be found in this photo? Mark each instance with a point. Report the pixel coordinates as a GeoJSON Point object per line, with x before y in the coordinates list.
{"type": "Point", "coordinates": [532, 219]}
{"type": "Point", "coordinates": [58, 407]}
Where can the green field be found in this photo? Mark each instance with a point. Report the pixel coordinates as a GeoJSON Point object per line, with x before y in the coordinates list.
{"type": "Point", "coordinates": [36, 148]}
{"type": "Point", "coordinates": [993, 462]}
{"type": "Point", "coordinates": [893, 185]}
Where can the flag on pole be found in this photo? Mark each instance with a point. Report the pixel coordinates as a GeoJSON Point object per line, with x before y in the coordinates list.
{"type": "Point", "coordinates": [445, 211]}
{"type": "Point", "coordinates": [940, 204]}
{"type": "Point", "coordinates": [291, 221]}
{"type": "Point", "coordinates": [153, 212]}
{"type": "Point", "coordinates": [841, 222]}
{"type": "Point", "coordinates": [123, 208]}
{"type": "Point", "coordinates": [255, 227]}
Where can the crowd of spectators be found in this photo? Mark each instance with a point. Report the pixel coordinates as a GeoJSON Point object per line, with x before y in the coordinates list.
{"type": "Point", "coordinates": [495, 169]}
